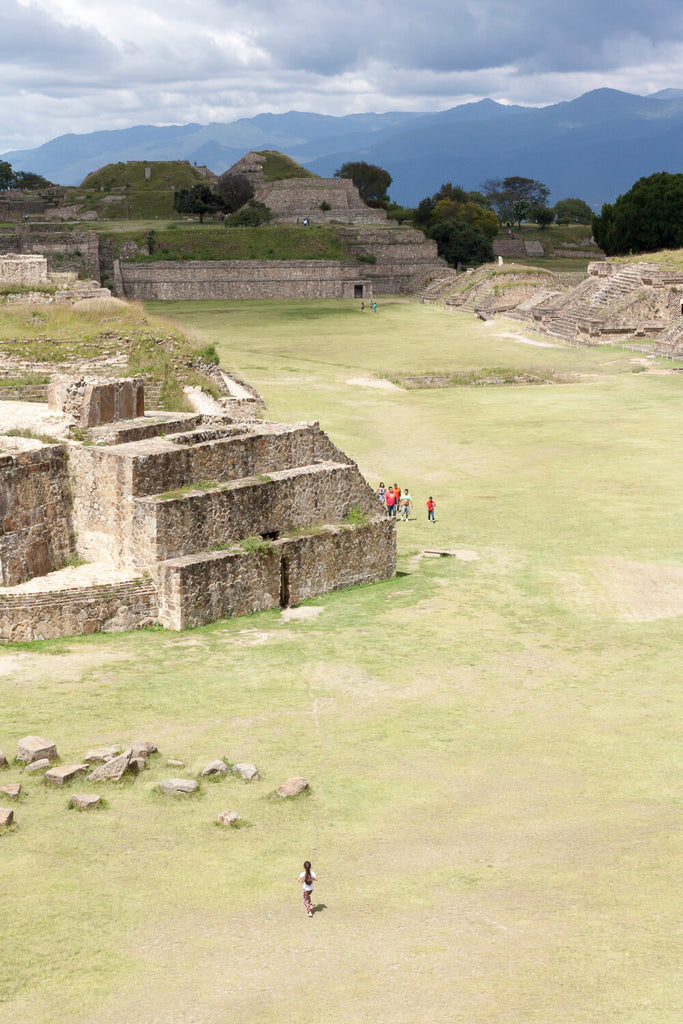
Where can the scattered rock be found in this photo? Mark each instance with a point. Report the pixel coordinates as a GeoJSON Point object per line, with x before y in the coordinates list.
{"type": "Point", "coordinates": [3, 759]}
{"type": "Point", "coordinates": [13, 790]}
{"type": "Point", "coordinates": [247, 771]}
{"type": "Point", "coordinates": [174, 764]}
{"type": "Point", "coordinates": [85, 800]}
{"type": "Point", "coordinates": [35, 748]}
{"type": "Point", "coordinates": [216, 768]}
{"type": "Point", "coordinates": [228, 818]}
{"type": "Point", "coordinates": [64, 773]}
{"type": "Point", "coordinates": [98, 755]}
{"type": "Point", "coordinates": [169, 787]}
{"type": "Point", "coordinates": [137, 764]}
{"type": "Point", "coordinates": [38, 766]}
{"type": "Point", "coordinates": [144, 749]}
{"type": "Point", "coordinates": [292, 787]}
{"type": "Point", "coordinates": [6, 816]}
{"type": "Point", "coordinates": [113, 770]}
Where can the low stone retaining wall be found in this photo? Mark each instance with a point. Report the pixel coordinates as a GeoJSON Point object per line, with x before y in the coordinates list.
{"type": "Point", "coordinates": [194, 590]}
{"type": "Point", "coordinates": [242, 279]}
{"type": "Point", "coordinates": [95, 609]}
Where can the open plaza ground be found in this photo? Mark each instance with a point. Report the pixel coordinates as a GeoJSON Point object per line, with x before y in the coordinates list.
{"type": "Point", "coordinates": [492, 738]}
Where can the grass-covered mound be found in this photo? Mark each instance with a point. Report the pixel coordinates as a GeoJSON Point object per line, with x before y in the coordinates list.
{"type": "Point", "coordinates": [155, 348]}
{"type": "Point", "coordinates": [279, 166]}
{"type": "Point", "coordinates": [122, 190]}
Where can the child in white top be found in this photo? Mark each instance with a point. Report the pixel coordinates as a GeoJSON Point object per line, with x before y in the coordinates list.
{"type": "Point", "coordinates": [307, 878]}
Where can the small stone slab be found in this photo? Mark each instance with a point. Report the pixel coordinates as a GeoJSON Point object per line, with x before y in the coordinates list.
{"type": "Point", "coordinates": [228, 818]}
{"type": "Point", "coordinates": [12, 790]}
{"type": "Point", "coordinates": [112, 771]}
{"type": "Point", "coordinates": [216, 768]}
{"type": "Point", "coordinates": [35, 748]}
{"type": "Point", "coordinates": [38, 766]}
{"type": "Point", "coordinates": [137, 764]}
{"type": "Point", "coordinates": [6, 816]}
{"type": "Point", "coordinates": [98, 755]}
{"type": "Point", "coordinates": [171, 763]}
{"type": "Point", "coordinates": [64, 773]}
{"type": "Point", "coordinates": [247, 771]}
{"type": "Point", "coordinates": [3, 759]}
{"type": "Point", "coordinates": [84, 801]}
{"type": "Point", "coordinates": [144, 749]}
{"type": "Point", "coordinates": [170, 787]}
{"type": "Point", "coordinates": [292, 787]}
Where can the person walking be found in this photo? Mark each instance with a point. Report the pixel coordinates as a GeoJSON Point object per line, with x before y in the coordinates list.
{"type": "Point", "coordinates": [406, 505]}
{"type": "Point", "coordinates": [431, 506]}
{"type": "Point", "coordinates": [307, 878]}
{"type": "Point", "coordinates": [390, 502]}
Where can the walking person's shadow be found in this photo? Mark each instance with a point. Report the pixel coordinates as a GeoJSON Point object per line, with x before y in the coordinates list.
{"type": "Point", "coordinates": [319, 907]}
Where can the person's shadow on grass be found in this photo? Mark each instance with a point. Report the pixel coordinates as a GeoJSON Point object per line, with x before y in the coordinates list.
{"type": "Point", "coordinates": [318, 907]}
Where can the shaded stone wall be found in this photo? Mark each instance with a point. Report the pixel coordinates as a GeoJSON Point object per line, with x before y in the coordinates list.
{"type": "Point", "coordinates": [194, 590]}
{"type": "Point", "coordinates": [36, 532]}
{"type": "Point", "coordinates": [294, 199]}
{"type": "Point", "coordinates": [93, 609]}
{"type": "Point", "coordinates": [101, 483]}
{"type": "Point", "coordinates": [241, 279]}
{"type": "Point", "coordinates": [92, 402]}
{"type": "Point", "coordinates": [289, 499]}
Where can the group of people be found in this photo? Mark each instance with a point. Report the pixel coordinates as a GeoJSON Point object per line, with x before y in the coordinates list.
{"type": "Point", "coordinates": [399, 503]}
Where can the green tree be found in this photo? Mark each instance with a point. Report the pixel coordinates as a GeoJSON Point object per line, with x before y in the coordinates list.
{"type": "Point", "coordinates": [29, 180]}
{"type": "Point", "coordinates": [234, 190]}
{"type": "Point", "coordinates": [371, 181]}
{"type": "Point", "coordinates": [514, 198]}
{"type": "Point", "coordinates": [646, 218]}
{"type": "Point", "coordinates": [251, 215]}
{"type": "Point", "coordinates": [543, 216]}
{"type": "Point", "coordinates": [6, 175]}
{"type": "Point", "coordinates": [573, 211]}
{"type": "Point", "coordinates": [459, 242]}
{"type": "Point", "coordinates": [200, 199]}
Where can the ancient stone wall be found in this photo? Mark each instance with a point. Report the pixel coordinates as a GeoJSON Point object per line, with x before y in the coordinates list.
{"type": "Point", "coordinates": [23, 270]}
{"type": "Point", "coordinates": [72, 612]}
{"type": "Point", "coordinates": [197, 589]}
{"type": "Point", "coordinates": [95, 401]}
{"type": "Point", "coordinates": [295, 199]}
{"type": "Point", "coordinates": [36, 532]}
{"type": "Point", "coordinates": [64, 250]}
{"type": "Point", "coordinates": [242, 279]}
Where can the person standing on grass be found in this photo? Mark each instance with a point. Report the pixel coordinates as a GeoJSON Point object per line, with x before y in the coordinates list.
{"type": "Point", "coordinates": [390, 502]}
{"type": "Point", "coordinates": [406, 505]}
{"type": "Point", "coordinates": [431, 506]}
{"type": "Point", "coordinates": [307, 878]}
{"type": "Point", "coordinates": [381, 492]}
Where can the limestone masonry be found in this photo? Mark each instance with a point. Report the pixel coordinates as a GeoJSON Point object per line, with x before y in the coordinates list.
{"type": "Point", "coordinates": [180, 518]}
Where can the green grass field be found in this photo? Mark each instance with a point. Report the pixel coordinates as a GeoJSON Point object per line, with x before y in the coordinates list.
{"type": "Point", "coordinates": [492, 738]}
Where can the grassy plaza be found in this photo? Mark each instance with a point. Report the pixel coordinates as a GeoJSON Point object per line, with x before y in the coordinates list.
{"type": "Point", "coordinates": [491, 739]}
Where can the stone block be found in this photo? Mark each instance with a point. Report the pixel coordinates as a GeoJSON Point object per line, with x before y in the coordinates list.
{"type": "Point", "coordinates": [84, 801]}
{"type": "Point", "coordinates": [247, 771]}
{"type": "Point", "coordinates": [216, 768]}
{"type": "Point", "coordinates": [126, 396]}
{"type": "Point", "coordinates": [172, 787]}
{"type": "Point", "coordinates": [41, 765]}
{"type": "Point", "coordinates": [64, 773]}
{"type": "Point", "coordinates": [12, 790]}
{"type": "Point", "coordinates": [6, 816]}
{"type": "Point", "coordinates": [34, 748]}
{"type": "Point", "coordinates": [228, 818]}
{"type": "Point", "coordinates": [3, 759]}
{"type": "Point", "coordinates": [292, 787]}
{"type": "Point", "coordinates": [144, 749]}
{"type": "Point", "coordinates": [112, 771]}
{"type": "Point", "coordinates": [99, 755]}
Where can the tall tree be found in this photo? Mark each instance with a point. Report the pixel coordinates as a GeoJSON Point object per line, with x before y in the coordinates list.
{"type": "Point", "coordinates": [200, 199]}
{"type": "Point", "coordinates": [514, 198]}
{"type": "Point", "coordinates": [234, 190]}
{"type": "Point", "coordinates": [646, 218]}
{"type": "Point", "coordinates": [371, 181]}
{"type": "Point", "coordinates": [6, 175]}
{"type": "Point", "coordinates": [573, 211]}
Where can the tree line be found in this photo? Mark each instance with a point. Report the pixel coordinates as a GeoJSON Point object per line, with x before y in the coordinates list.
{"type": "Point", "coordinates": [11, 179]}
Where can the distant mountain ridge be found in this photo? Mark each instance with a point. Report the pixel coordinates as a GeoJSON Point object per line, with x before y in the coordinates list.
{"type": "Point", "coordinates": [594, 147]}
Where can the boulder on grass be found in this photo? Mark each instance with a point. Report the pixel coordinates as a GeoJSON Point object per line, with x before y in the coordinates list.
{"type": "Point", "coordinates": [35, 748]}
{"type": "Point", "coordinates": [112, 771]}
{"type": "Point", "coordinates": [98, 755]}
{"type": "Point", "coordinates": [292, 787]}
{"type": "Point", "coordinates": [3, 759]}
{"type": "Point", "coordinates": [6, 816]}
{"type": "Point", "coordinates": [12, 790]}
{"type": "Point", "coordinates": [215, 768]}
{"type": "Point", "coordinates": [84, 801]}
{"type": "Point", "coordinates": [64, 773]}
{"type": "Point", "coordinates": [37, 766]}
{"type": "Point", "coordinates": [171, 787]}
{"type": "Point", "coordinates": [247, 771]}
{"type": "Point", "coordinates": [144, 749]}
{"type": "Point", "coordinates": [228, 818]}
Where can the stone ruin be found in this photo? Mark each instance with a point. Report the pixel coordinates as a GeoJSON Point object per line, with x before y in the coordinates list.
{"type": "Point", "coordinates": [181, 518]}
{"type": "Point", "coordinates": [31, 270]}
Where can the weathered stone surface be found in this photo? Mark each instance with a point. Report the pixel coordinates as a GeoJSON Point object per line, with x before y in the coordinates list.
{"type": "Point", "coordinates": [292, 787]}
{"type": "Point", "coordinates": [6, 816]}
{"type": "Point", "coordinates": [172, 763]}
{"type": "Point", "coordinates": [228, 818]}
{"type": "Point", "coordinates": [144, 749]}
{"type": "Point", "coordinates": [34, 748]}
{"type": "Point", "coordinates": [12, 790]}
{"type": "Point", "coordinates": [84, 801]}
{"type": "Point", "coordinates": [169, 787]}
{"type": "Point", "coordinates": [137, 764]}
{"type": "Point", "coordinates": [3, 759]}
{"type": "Point", "coordinates": [64, 773]}
{"type": "Point", "coordinates": [216, 768]}
{"type": "Point", "coordinates": [113, 770]}
{"type": "Point", "coordinates": [247, 771]}
{"type": "Point", "coordinates": [38, 766]}
{"type": "Point", "coordinates": [98, 755]}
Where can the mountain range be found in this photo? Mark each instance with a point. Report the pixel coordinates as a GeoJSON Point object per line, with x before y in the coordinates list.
{"type": "Point", "coordinates": [593, 147]}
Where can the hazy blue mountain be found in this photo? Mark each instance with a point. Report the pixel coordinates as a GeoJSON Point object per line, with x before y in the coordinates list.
{"type": "Point", "coordinates": [594, 147]}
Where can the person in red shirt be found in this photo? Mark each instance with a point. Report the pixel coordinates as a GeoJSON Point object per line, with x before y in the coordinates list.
{"type": "Point", "coordinates": [431, 506]}
{"type": "Point", "coordinates": [390, 502]}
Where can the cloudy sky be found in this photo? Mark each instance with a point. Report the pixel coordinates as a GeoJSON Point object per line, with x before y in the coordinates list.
{"type": "Point", "coordinates": [84, 65]}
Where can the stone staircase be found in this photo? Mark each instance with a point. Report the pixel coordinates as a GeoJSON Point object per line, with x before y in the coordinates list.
{"type": "Point", "coordinates": [71, 289]}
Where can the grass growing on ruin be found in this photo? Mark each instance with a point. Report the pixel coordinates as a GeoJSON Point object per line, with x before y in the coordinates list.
{"type": "Point", "coordinates": [490, 738]}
